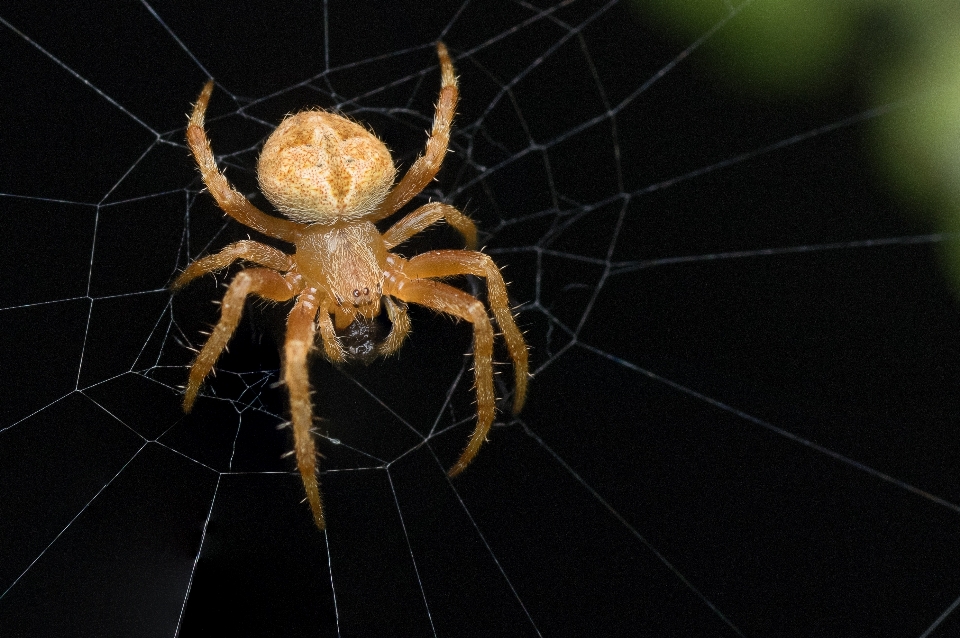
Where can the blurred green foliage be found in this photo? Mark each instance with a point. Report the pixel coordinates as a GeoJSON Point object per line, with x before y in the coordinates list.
{"type": "Point", "coordinates": [900, 52]}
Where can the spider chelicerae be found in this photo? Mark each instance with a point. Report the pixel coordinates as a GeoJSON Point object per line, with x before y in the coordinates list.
{"type": "Point", "coordinates": [334, 180]}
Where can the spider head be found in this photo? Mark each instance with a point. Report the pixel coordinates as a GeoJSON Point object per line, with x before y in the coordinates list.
{"type": "Point", "coordinates": [347, 260]}
{"type": "Point", "coordinates": [321, 167]}
{"type": "Point", "coordinates": [355, 298]}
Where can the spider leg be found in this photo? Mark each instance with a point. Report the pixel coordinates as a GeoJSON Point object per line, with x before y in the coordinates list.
{"type": "Point", "coordinates": [331, 345]}
{"type": "Point", "coordinates": [247, 250]}
{"type": "Point", "coordinates": [231, 201]}
{"type": "Point", "coordinates": [427, 215]}
{"type": "Point", "coordinates": [444, 263]}
{"type": "Point", "coordinates": [301, 332]}
{"type": "Point", "coordinates": [400, 327]}
{"type": "Point", "coordinates": [450, 300]}
{"type": "Point", "coordinates": [423, 170]}
{"type": "Point", "coordinates": [259, 281]}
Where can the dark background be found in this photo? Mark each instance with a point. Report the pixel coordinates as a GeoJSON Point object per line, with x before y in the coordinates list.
{"type": "Point", "coordinates": [743, 419]}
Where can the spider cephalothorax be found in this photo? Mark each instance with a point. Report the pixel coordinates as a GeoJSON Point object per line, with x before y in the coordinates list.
{"type": "Point", "coordinates": [334, 179]}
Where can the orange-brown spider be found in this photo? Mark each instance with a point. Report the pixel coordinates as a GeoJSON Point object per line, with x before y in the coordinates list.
{"type": "Point", "coordinates": [332, 178]}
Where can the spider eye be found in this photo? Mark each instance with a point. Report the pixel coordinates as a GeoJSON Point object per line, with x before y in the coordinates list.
{"type": "Point", "coordinates": [366, 291]}
{"type": "Point", "coordinates": [356, 293]}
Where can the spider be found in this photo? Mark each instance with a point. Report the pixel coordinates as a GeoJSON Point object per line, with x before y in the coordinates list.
{"type": "Point", "coordinates": [333, 180]}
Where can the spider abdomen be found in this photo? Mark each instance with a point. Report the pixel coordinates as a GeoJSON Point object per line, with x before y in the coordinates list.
{"type": "Point", "coordinates": [320, 167]}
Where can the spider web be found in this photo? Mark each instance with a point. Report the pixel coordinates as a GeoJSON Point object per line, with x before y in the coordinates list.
{"type": "Point", "coordinates": [742, 419]}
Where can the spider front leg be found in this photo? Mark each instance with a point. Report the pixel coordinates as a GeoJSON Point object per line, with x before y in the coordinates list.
{"type": "Point", "coordinates": [258, 281]}
{"type": "Point", "coordinates": [301, 332]}
{"type": "Point", "coordinates": [252, 251]}
{"type": "Point", "coordinates": [445, 263]}
{"type": "Point", "coordinates": [452, 301]}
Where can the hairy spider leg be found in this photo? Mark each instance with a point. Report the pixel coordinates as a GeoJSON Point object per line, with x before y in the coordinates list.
{"type": "Point", "coordinates": [446, 263]}
{"type": "Point", "coordinates": [253, 281]}
{"type": "Point", "coordinates": [231, 201]}
{"type": "Point", "coordinates": [247, 250]}
{"type": "Point", "coordinates": [331, 345]}
{"type": "Point", "coordinates": [426, 216]}
{"type": "Point", "coordinates": [423, 170]}
{"type": "Point", "coordinates": [453, 301]}
{"type": "Point", "coordinates": [399, 327]}
{"type": "Point", "coordinates": [301, 333]}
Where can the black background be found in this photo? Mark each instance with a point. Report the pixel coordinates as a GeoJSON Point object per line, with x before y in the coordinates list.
{"type": "Point", "coordinates": [732, 444]}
